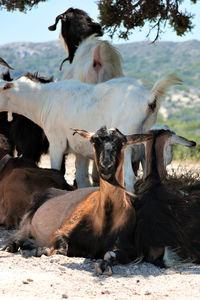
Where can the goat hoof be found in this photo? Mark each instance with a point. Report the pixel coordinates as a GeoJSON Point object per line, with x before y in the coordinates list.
{"type": "Point", "coordinates": [42, 251]}
{"type": "Point", "coordinates": [61, 251]}
{"type": "Point", "coordinates": [12, 248]}
{"type": "Point", "coordinates": [103, 268]}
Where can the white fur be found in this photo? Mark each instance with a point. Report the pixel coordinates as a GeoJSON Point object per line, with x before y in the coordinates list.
{"type": "Point", "coordinates": [57, 107]}
{"type": "Point", "coordinates": [82, 66]}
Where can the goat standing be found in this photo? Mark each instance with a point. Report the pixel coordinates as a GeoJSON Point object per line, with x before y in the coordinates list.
{"type": "Point", "coordinates": [24, 135]}
{"type": "Point", "coordinates": [76, 26]}
{"type": "Point", "coordinates": [56, 107]}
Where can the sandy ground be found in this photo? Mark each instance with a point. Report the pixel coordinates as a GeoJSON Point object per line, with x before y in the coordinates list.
{"type": "Point", "coordinates": [59, 277]}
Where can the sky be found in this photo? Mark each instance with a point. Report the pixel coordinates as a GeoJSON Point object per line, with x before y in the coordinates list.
{"type": "Point", "coordinates": [33, 26]}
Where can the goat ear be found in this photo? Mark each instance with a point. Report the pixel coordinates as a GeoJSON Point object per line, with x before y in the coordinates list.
{"type": "Point", "coordinates": [53, 27]}
{"type": "Point", "coordinates": [97, 61]}
{"type": "Point", "coordinates": [180, 140]}
{"type": "Point", "coordinates": [138, 138]}
{"type": "Point", "coordinates": [85, 134]}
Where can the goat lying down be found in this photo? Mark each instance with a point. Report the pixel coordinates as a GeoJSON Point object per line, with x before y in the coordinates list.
{"type": "Point", "coordinates": [56, 107]}
{"type": "Point", "coordinates": [164, 218]}
{"type": "Point", "coordinates": [19, 179]}
{"type": "Point", "coordinates": [86, 222]}
{"type": "Point", "coordinates": [159, 208]}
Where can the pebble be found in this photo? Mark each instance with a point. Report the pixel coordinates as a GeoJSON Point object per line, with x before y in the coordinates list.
{"type": "Point", "coordinates": [64, 296]}
{"type": "Point", "coordinates": [147, 293]}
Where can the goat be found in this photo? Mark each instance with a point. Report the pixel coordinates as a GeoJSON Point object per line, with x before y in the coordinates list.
{"type": "Point", "coordinates": [85, 223]}
{"type": "Point", "coordinates": [95, 61]}
{"type": "Point", "coordinates": [91, 60]}
{"type": "Point", "coordinates": [157, 206]}
{"type": "Point", "coordinates": [58, 106]}
{"type": "Point", "coordinates": [28, 138]}
{"type": "Point", "coordinates": [19, 179]}
{"type": "Point", "coordinates": [138, 155]}
{"type": "Point", "coordinates": [76, 26]}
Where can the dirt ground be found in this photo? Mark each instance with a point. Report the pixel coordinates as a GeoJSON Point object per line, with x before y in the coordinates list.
{"type": "Point", "coordinates": [58, 277]}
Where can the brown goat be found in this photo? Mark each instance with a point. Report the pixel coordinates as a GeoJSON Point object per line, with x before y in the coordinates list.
{"type": "Point", "coordinates": [86, 222]}
{"type": "Point", "coordinates": [19, 179]}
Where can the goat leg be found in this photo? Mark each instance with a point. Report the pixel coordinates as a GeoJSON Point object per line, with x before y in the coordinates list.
{"type": "Point", "coordinates": [104, 266]}
{"type": "Point", "coordinates": [60, 245]}
{"type": "Point", "coordinates": [13, 244]}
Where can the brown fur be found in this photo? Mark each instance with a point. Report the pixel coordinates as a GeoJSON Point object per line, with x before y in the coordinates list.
{"type": "Point", "coordinates": [86, 222]}
{"type": "Point", "coordinates": [19, 179]}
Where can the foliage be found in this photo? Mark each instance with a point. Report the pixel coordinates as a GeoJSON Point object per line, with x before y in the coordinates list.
{"type": "Point", "coordinates": [21, 5]}
{"type": "Point", "coordinates": [124, 16]}
{"type": "Point", "coordinates": [129, 14]}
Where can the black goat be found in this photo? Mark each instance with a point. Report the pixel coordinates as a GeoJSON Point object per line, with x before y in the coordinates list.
{"type": "Point", "coordinates": [76, 26]}
{"type": "Point", "coordinates": [24, 135]}
{"type": "Point", "coordinates": [159, 209]}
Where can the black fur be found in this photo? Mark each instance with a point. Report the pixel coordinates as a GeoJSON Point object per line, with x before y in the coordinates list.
{"type": "Point", "coordinates": [23, 134]}
{"type": "Point", "coordinates": [76, 26]}
{"type": "Point", "coordinates": [160, 215]}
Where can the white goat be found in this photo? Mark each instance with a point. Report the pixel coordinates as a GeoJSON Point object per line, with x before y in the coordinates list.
{"type": "Point", "coordinates": [95, 61]}
{"type": "Point", "coordinates": [56, 107]}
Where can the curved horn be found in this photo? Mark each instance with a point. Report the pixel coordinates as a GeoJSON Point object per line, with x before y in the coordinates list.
{"type": "Point", "coordinates": [85, 134]}
{"type": "Point", "coordinates": [53, 27]}
{"type": "Point", "coordinates": [138, 138]}
{"type": "Point", "coordinates": [64, 60]}
{"type": "Point", "coordinates": [4, 63]}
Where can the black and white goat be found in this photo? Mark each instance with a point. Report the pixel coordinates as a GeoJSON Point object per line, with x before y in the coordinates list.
{"type": "Point", "coordinates": [76, 26]}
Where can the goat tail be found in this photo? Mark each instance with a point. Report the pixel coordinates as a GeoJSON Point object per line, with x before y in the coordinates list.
{"type": "Point", "coordinates": [160, 87]}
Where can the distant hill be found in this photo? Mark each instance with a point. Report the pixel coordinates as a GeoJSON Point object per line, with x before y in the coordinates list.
{"type": "Point", "coordinates": [142, 60]}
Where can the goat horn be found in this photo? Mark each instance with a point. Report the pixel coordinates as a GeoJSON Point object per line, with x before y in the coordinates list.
{"type": "Point", "coordinates": [53, 27]}
{"type": "Point", "coordinates": [138, 138]}
{"type": "Point", "coordinates": [5, 64]}
{"type": "Point", "coordinates": [85, 134]}
{"type": "Point", "coordinates": [64, 60]}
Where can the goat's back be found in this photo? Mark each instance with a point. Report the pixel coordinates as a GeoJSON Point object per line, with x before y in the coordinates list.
{"type": "Point", "coordinates": [50, 216]}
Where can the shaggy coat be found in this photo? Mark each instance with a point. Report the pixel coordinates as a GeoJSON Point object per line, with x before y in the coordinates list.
{"type": "Point", "coordinates": [158, 208]}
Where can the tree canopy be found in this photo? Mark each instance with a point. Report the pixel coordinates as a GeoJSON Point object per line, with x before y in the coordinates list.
{"type": "Point", "coordinates": [21, 5]}
{"type": "Point", "coordinates": [121, 17]}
